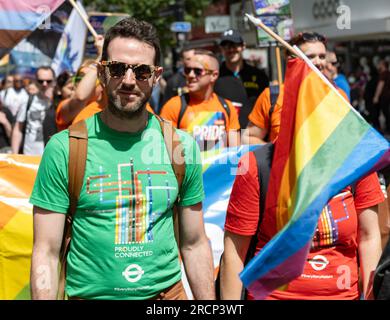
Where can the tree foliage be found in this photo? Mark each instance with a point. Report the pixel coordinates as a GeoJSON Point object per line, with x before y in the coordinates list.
{"type": "Point", "coordinates": [150, 10]}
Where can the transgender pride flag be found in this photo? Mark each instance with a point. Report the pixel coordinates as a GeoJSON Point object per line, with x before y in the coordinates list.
{"type": "Point", "coordinates": [18, 18]}
{"type": "Point", "coordinates": [323, 146]}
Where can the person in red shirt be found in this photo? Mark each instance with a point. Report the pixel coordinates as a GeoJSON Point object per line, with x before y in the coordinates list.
{"type": "Point", "coordinates": [347, 234]}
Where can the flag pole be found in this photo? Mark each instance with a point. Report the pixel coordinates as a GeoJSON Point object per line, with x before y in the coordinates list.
{"type": "Point", "coordinates": [85, 19]}
{"type": "Point", "coordinates": [257, 22]}
{"type": "Point", "coordinates": [279, 65]}
{"type": "Point", "coordinates": [297, 52]}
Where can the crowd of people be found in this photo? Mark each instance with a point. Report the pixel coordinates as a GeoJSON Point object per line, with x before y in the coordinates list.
{"type": "Point", "coordinates": [67, 98]}
{"type": "Point", "coordinates": [128, 208]}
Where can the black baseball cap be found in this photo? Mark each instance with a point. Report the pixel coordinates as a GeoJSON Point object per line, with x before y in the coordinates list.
{"type": "Point", "coordinates": [231, 35]}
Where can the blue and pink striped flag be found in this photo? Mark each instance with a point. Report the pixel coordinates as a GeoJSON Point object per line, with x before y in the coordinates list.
{"type": "Point", "coordinates": [19, 18]}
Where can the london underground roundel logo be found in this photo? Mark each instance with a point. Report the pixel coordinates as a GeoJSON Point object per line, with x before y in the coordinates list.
{"type": "Point", "coordinates": [319, 263]}
{"type": "Point", "coordinates": [133, 273]}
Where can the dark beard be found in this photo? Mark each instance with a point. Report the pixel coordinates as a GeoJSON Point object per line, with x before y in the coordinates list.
{"type": "Point", "coordinates": [128, 114]}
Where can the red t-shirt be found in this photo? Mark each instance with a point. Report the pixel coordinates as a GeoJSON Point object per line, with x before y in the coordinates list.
{"type": "Point", "coordinates": [331, 269]}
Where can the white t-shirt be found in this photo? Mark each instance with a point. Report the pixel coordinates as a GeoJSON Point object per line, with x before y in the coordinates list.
{"type": "Point", "coordinates": [33, 140]}
{"type": "Point", "coordinates": [13, 99]}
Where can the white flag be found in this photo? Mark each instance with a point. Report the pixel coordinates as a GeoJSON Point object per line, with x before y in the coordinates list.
{"type": "Point", "coordinates": [70, 49]}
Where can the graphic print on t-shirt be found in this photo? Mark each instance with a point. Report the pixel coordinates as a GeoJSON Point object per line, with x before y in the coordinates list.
{"type": "Point", "coordinates": [327, 232]}
{"type": "Point", "coordinates": [135, 214]}
{"type": "Point", "coordinates": [208, 129]}
{"type": "Point", "coordinates": [36, 116]}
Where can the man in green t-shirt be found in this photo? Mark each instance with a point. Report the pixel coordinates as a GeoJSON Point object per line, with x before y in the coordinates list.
{"type": "Point", "coordinates": [123, 244]}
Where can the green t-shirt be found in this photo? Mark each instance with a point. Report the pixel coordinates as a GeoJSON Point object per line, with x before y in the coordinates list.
{"type": "Point", "coordinates": [123, 244]}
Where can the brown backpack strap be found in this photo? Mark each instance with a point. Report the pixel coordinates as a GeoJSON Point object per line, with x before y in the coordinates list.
{"type": "Point", "coordinates": [176, 155]}
{"type": "Point", "coordinates": [175, 150]}
{"type": "Point", "coordinates": [78, 145]}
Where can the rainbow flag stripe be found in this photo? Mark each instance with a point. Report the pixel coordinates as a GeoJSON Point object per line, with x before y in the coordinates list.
{"type": "Point", "coordinates": [17, 175]}
{"type": "Point", "coordinates": [323, 146]}
{"type": "Point", "coordinates": [19, 18]}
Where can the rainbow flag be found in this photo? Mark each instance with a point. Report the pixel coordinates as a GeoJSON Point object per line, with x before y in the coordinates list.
{"type": "Point", "coordinates": [19, 18]}
{"type": "Point", "coordinates": [17, 175]}
{"type": "Point", "coordinates": [324, 145]}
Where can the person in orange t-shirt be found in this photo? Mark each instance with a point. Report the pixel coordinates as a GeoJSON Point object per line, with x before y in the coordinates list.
{"type": "Point", "coordinates": [60, 121]}
{"type": "Point", "coordinates": [261, 128]}
{"type": "Point", "coordinates": [260, 119]}
{"type": "Point", "coordinates": [89, 111]}
{"type": "Point", "coordinates": [88, 97]}
{"type": "Point", "coordinates": [212, 121]}
{"type": "Point", "coordinates": [259, 116]}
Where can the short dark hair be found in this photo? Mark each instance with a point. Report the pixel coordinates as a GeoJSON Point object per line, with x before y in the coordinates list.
{"type": "Point", "coordinates": [187, 47]}
{"type": "Point", "coordinates": [133, 28]}
{"type": "Point", "coordinates": [63, 78]}
{"type": "Point", "coordinates": [45, 68]}
{"type": "Point", "coordinates": [303, 37]}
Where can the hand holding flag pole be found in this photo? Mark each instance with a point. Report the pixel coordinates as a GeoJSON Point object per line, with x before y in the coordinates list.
{"type": "Point", "coordinates": [85, 19]}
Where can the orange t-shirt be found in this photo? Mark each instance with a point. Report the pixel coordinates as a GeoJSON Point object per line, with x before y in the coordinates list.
{"type": "Point", "coordinates": [60, 122]}
{"type": "Point", "coordinates": [260, 113]}
{"type": "Point", "coordinates": [207, 121]}
{"type": "Point", "coordinates": [149, 108]}
{"type": "Point", "coordinates": [89, 111]}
